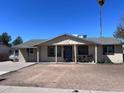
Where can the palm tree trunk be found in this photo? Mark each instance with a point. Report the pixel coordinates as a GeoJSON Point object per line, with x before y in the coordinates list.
{"type": "Point", "coordinates": [100, 12]}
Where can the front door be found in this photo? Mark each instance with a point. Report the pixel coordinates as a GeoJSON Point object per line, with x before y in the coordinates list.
{"type": "Point", "coordinates": [68, 53]}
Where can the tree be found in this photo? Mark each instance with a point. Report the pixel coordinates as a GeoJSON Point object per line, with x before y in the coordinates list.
{"type": "Point", "coordinates": [5, 38]}
{"type": "Point", "coordinates": [119, 33]}
{"type": "Point", "coordinates": [17, 41]}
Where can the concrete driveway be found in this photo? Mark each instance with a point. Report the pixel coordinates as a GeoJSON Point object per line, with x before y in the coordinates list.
{"type": "Point", "coordinates": [69, 76]}
{"type": "Point", "coordinates": [9, 66]}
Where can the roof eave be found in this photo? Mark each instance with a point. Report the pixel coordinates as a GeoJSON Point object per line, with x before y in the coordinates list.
{"type": "Point", "coordinates": [23, 47]}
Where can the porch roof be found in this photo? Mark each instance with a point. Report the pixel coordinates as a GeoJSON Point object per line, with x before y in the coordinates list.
{"type": "Point", "coordinates": [99, 41]}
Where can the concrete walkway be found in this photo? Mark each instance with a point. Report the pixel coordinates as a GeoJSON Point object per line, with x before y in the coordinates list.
{"type": "Point", "coordinates": [6, 67]}
{"type": "Point", "coordinates": [15, 89]}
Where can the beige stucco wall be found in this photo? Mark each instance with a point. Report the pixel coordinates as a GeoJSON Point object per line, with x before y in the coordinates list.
{"type": "Point", "coordinates": [116, 58]}
{"type": "Point", "coordinates": [92, 51]}
{"type": "Point", "coordinates": [23, 56]}
{"type": "Point", "coordinates": [44, 56]}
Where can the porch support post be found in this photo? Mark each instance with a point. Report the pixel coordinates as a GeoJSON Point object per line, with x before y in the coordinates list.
{"type": "Point", "coordinates": [38, 55]}
{"type": "Point", "coordinates": [96, 54]}
{"type": "Point", "coordinates": [14, 55]}
{"type": "Point", "coordinates": [62, 52]}
{"type": "Point", "coordinates": [56, 53]}
{"type": "Point", "coordinates": [75, 54]}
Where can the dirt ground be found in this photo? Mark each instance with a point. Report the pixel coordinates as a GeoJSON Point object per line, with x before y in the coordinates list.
{"type": "Point", "coordinates": [69, 76]}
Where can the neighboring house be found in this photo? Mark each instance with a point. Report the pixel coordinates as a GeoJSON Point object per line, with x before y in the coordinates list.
{"type": "Point", "coordinates": [4, 52]}
{"type": "Point", "coordinates": [69, 48]}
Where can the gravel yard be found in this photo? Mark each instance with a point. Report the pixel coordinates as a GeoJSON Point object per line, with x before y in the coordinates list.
{"type": "Point", "coordinates": [69, 76]}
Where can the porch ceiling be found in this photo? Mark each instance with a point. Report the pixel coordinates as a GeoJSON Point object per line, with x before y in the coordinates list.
{"type": "Point", "coordinates": [68, 42]}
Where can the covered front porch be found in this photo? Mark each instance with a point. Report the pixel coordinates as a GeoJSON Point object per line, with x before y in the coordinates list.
{"type": "Point", "coordinates": [77, 53]}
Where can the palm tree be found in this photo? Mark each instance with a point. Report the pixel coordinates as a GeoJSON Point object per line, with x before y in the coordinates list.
{"type": "Point", "coordinates": [101, 3]}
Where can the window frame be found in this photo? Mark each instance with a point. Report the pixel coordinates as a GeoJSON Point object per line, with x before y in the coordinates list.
{"type": "Point", "coordinates": [49, 53]}
{"type": "Point", "coordinates": [107, 51]}
{"type": "Point", "coordinates": [30, 51]}
{"type": "Point", "coordinates": [86, 48]}
{"type": "Point", "coordinates": [59, 51]}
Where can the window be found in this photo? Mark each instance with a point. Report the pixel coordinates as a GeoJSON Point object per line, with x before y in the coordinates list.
{"type": "Point", "coordinates": [51, 51]}
{"type": "Point", "coordinates": [82, 50]}
{"type": "Point", "coordinates": [16, 52]}
{"type": "Point", "coordinates": [30, 51]}
{"type": "Point", "coordinates": [108, 50]}
{"type": "Point", "coordinates": [59, 51]}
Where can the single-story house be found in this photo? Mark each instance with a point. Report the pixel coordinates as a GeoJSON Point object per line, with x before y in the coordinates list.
{"type": "Point", "coordinates": [69, 48]}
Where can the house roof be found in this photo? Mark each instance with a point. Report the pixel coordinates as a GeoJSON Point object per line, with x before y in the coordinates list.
{"type": "Point", "coordinates": [105, 41]}
{"type": "Point", "coordinates": [99, 41]}
{"type": "Point", "coordinates": [30, 43]}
